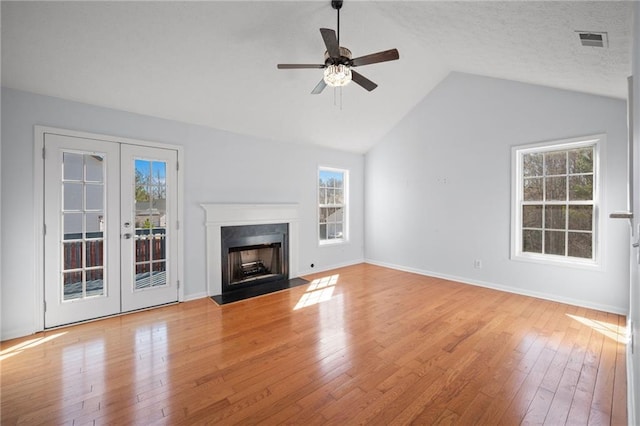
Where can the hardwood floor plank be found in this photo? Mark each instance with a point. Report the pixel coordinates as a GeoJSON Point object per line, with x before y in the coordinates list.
{"type": "Point", "coordinates": [388, 347]}
{"type": "Point", "coordinates": [520, 404]}
{"type": "Point", "coordinates": [603, 387]}
{"type": "Point", "coordinates": [539, 407]}
{"type": "Point", "coordinates": [559, 409]}
{"type": "Point", "coordinates": [619, 403]}
{"type": "Point", "coordinates": [474, 412]}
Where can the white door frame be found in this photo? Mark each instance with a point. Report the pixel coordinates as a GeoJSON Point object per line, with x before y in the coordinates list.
{"type": "Point", "coordinates": [38, 206]}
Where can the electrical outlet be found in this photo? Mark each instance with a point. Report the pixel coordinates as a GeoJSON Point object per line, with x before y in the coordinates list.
{"type": "Point", "coordinates": [477, 264]}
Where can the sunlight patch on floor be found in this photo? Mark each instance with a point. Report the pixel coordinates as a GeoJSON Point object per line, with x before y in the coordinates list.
{"type": "Point", "coordinates": [319, 290]}
{"type": "Point", "coordinates": [27, 344]}
{"type": "Point", "coordinates": [612, 331]}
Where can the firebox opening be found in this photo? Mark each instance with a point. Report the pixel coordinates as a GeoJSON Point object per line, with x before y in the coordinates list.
{"type": "Point", "coordinates": [255, 262]}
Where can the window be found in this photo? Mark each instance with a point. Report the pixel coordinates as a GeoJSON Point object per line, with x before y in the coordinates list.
{"type": "Point", "coordinates": [556, 201]}
{"type": "Point", "coordinates": [332, 205]}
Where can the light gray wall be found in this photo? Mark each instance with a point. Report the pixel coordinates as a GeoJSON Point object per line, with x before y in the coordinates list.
{"type": "Point", "coordinates": [437, 187]}
{"type": "Point", "coordinates": [219, 167]}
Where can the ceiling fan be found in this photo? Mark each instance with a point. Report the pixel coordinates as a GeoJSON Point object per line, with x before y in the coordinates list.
{"type": "Point", "coordinates": [338, 63]}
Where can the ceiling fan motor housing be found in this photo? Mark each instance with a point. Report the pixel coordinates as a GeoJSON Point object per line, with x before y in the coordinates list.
{"type": "Point", "coordinates": [344, 59]}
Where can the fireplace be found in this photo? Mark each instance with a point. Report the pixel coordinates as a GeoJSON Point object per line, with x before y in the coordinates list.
{"type": "Point", "coordinates": [253, 255]}
{"type": "Point", "coordinates": [219, 216]}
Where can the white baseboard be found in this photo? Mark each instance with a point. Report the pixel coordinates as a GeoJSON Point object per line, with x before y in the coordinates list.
{"type": "Point", "coordinates": [14, 334]}
{"type": "Point", "coordinates": [330, 267]}
{"type": "Point", "coordinates": [508, 289]}
{"type": "Point", "coordinates": [195, 296]}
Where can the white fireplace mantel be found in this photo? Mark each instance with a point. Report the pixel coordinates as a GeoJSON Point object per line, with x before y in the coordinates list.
{"type": "Point", "coordinates": [219, 215]}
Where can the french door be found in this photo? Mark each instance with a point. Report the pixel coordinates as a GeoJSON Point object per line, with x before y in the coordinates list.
{"type": "Point", "coordinates": [110, 215]}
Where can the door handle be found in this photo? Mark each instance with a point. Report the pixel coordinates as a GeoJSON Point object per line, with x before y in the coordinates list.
{"type": "Point", "coordinates": [621, 215]}
{"type": "Point", "coordinates": [126, 236]}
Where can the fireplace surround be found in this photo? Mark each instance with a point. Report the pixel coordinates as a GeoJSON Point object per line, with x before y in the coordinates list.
{"type": "Point", "coordinates": [219, 216]}
{"type": "Point", "coordinates": [254, 254]}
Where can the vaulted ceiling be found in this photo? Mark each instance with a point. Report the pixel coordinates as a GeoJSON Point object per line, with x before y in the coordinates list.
{"type": "Point", "coordinates": [214, 63]}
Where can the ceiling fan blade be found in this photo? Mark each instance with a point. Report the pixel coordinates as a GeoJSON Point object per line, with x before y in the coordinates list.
{"type": "Point", "coordinates": [331, 41]}
{"type": "Point", "coordinates": [298, 66]}
{"type": "Point", "coordinates": [363, 81]}
{"type": "Point", "coordinates": [319, 87]}
{"type": "Point", "coordinates": [387, 55]}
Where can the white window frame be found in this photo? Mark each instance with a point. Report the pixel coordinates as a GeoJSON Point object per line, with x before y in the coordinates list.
{"type": "Point", "coordinates": [344, 205]}
{"type": "Point", "coordinates": [517, 152]}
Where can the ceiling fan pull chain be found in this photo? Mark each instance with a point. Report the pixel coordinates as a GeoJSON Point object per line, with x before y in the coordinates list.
{"type": "Point", "coordinates": [337, 97]}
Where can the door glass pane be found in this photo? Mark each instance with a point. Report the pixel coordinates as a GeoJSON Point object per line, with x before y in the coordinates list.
{"type": "Point", "coordinates": [159, 267]}
{"type": "Point", "coordinates": [143, 245]}
{"type": "Point", "coordinates": [158, 173]}
{"type": "Point", "coordinates": [94, 253]}
{"type": "Point", "coordinates": [93, 165]}
{"type": "Point", "coordinates": [72, 166]}
{"type": "Point", "coordinates": [83, 219]}
{"type": "Point", "coordinates": [95, 282]}
{"type": "Point", "coordinates": [158, 213]}
{"type": "Point", "coordinates": [72, 255]}
{"type": "Point", "coordinates": [150, 218]}
{"type": "Point", "coordinates": [94, 224]}
{"type": "Point", "coordinates": [159, 277]}
{"type": "Point", "coordinates": [95, 197]}
{"type": "Point", "coordinates": [72, 196]}
{"type": "Point", "coordinates": [143, 275]}
{"type": "Point", "coordinates": [72, 283]}
{"type": "Point", "coordinates": [72, 226]}
{"type": "Point", "coordinates": [158, 251]}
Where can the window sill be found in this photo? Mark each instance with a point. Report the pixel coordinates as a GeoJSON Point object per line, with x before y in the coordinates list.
{"type": "Point", "coordinates": [561, 261]}
{"type": "Point", "coordinates": [332, 243]}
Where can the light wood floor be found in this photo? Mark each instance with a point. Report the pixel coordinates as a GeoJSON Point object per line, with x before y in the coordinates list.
{"type": "Point", "coordinates": [360, 345]}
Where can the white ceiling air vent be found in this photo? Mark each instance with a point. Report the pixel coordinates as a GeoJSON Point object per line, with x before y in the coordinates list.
{"type": "Point", "coordinates": [593, 39]}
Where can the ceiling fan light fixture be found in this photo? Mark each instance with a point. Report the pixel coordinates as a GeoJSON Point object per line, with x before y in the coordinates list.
{"type": "Point", "coordinates": [337, 75]}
